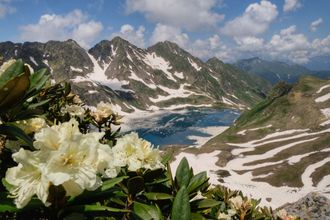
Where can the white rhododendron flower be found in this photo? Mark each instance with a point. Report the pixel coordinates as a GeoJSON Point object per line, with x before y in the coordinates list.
{"type": "Point", "coordinates": [31, 125]}
{"type": "Point", "coordinates": [74, 110]}
{"type": "Point", "coordinates": [52, 138]}
{"type": "Point", "coordinates": [27, 178]}
{"type": "Point", "coordinates": [223, 216]}
{"type": "Point", "coordinates": [103, 110]}
{"type": "Point", "coordinates": [64, 157]}
{"type": "Point", "coordinates": [77, 162]}
{"type": "Point", "coordinates": [136, 153]}
{"type": "Point", "coordinates": [236, 202]}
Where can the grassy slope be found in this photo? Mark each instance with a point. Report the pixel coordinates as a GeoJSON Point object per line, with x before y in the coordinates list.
{"type": "Point", "coordinates": [295, 110]}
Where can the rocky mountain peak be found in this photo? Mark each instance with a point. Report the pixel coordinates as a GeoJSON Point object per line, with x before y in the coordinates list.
{"type": "Point", "coordinates": [214, 61]}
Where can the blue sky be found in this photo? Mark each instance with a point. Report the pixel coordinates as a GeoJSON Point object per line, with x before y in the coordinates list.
{"type": "Point", "coordinates": [289, 30]}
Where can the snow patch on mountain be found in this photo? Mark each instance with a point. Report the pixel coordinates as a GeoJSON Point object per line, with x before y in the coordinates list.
{"type": "Point", "coordinates": [76, 69]}
{"type": "Point", "coordinates": [33, 61]}
{"type": "Point", "coordinates": [322, 88]}
{"type": "Point", "coordinates": [157, 62]}
{"type": "Point", "coordinates": [193, 64]}
{"type": "Point", "coordinates": [98, 77]}
{"type": "Point", "coordinates": [173, 93]}
{"type": "Point", "coordinates": [113, 51]}
{"type": "Point", "coordinates": [323, 98]}
{"type": "Point", "coordinates": [209, 164]}
{"type": "Point", "coordinates": [136, 78]}
{"type": "Point", "coordinates": [242, 176]}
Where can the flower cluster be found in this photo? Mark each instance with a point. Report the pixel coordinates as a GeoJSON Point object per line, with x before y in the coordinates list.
{"type": "Point", "coordinates": [74, 110]}
{"type": "Point", "coordinates": [66, 157]}
{"type": "Point", "coordinates": [238, 205]}
{"type": "Point", "coordinates": [103, 110]}
{"type": "Point", "coordinates": [136, 153]}
{"type": "Point", "coordinates": [31, 125]}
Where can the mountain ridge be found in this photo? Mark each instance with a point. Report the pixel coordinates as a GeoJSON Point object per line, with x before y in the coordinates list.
{"type": "Point", "coordinates": [275, 71]}
{"type": "Point", "coordinates": [280, 146]}
{"type": "Point", "coordinates": [161, 76]}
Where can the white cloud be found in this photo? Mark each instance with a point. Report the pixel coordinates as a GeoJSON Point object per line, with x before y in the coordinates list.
{"type": "Point", "coordinates": [315, 24]}
{"type": "Point", "coordinates": [254, 21]}
{"type": "Point", "coordinates": [290, 45]}
{"type": "Point", "coordinates": [321, 46]}
{"type": "Point", "coordinates": [250, 43]}
{"type": "Point", "coordinates": [189, 14]}
{"type": "Point", "coordinates": [5, 8]}
{"type": "Point", "coordinates": [165, 32]}
{"type": "Point", "coordinates": [73, 25]}
{"type": "Point", "coordinates": [129, 33]}
{"type": "Point", "coordinates": [291, 5]}
{"type": "Point", "coordinates": [85, 33]}
{"type": "Point", "coordinates": [211, 47]}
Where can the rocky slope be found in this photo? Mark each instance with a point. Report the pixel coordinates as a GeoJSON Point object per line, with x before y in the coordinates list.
{"type": "Point", "coordinates": [311, 206]}
{"type": "Point", "coordinates": [273, 71]}
{"type": "Point", "coordinates": [162, 76]}
{"type": "Point", "coordinates": [279, 150]}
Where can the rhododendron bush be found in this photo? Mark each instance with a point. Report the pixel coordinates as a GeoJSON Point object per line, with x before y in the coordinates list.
{"type": "Point", "coordinates": [61, 159]}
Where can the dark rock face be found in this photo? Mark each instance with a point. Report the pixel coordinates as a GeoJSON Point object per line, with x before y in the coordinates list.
{"type": "Point", "coordinates": [312, 206]}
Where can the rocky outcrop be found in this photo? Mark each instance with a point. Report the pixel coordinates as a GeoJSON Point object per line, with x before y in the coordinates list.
{"type": "Point", "coordinates": [312, 206]}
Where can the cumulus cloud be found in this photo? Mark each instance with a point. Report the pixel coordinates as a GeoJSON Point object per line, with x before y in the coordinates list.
{"type": "Point", "coordinates": [254, 21]}
{"type": "Point", "coordinates": [165, 32]}
{"type": "Point", "coordinates": [211, 47]}
{"type": "Point", "coordinates": [73, 25]}
{"type": "Point", "coordinates": [321, 46]}
{"type": "Point", "coordinates": [315, 24]}
{"type": "Point", "coordinates": [289, 44]}
{"type": "Point", "coordinates": [250, 43]}
{"type": "Point", "coordinates": [189, 14]}
{"type": "Point", "coordinates": [129, 33]}
{"type": "Point", "coordinates": [6, 8]}
{"type": "Point", "coordinates": [291, 5]}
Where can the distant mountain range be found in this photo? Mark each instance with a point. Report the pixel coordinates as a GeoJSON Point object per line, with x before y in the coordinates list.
{"type": "Point", "coordinates": [161, 76]}
{"type": "Point", "coordinates": [275, 71]}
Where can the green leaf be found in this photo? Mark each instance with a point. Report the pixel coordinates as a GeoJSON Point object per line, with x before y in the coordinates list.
{"type": "Point", "coordinates": [96, 208]}
{"type": "Point", "coordinates": [204, 203]}
{"type": "Point", "coordinates": [183, 173]}
{"type": "Point", "coordinates": [181, 207]}
{"type": "Point", "coordinates": [14, 90]}
{"type": "Point", "coordinates": [158, 181]}
{"type": "Point", "coordinates": [151, 175]}
{"type": "Point", "coordinates": [167, 158]}
{"type": "Point", "coordinates": [11, 72]}
{"type": "Point", "coordinates": [135, 185]}
{"type": "Point", "coordinates": [37, 82]}
{"type": "Point", "coordinates": [6, 204]}
{"type": "Point", "coordinates": [108, 184]}
{"type": "Point", "coordinates": [27, 114]}
{"type": "Point", "coordinates": [197, 216]}
{"type": "Point", "coordinates": [158, 196]}
{"type": "Point", "coordinates": [197, 181]}
{"type": "Point", "coordinates": [35, 105]}
{"type": "Point", "coordinates": [146, 212]}
{"type": "Point", "coordinates": [13, 131]}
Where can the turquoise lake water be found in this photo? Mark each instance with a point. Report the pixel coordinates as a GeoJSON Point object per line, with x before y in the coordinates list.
{"type": "Point", "coordinates": [175, 127]}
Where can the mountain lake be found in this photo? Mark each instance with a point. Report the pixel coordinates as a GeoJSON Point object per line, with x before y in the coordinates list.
{"type": "Point", "coordinates": [187, 127]}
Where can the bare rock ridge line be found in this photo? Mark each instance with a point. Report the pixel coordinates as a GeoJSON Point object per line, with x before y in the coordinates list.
{"type": "Point", "coordinates": [159, 77]}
